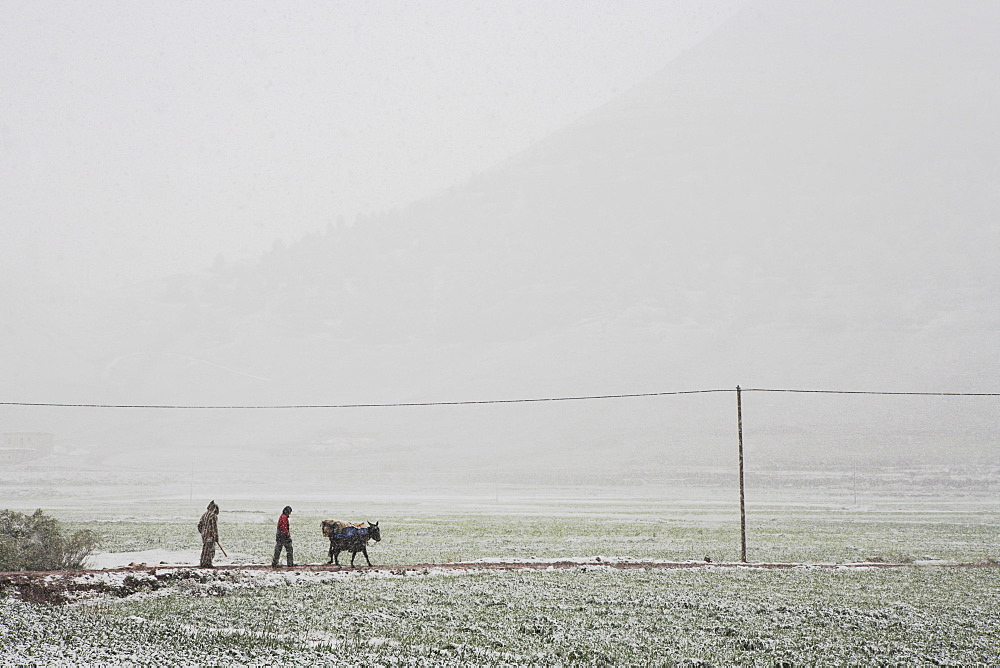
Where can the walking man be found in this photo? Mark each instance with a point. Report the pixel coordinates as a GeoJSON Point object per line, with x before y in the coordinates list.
{"type": "Point", "coordinates": [208, 527]}
{"type": "Point", "coordinates": [283, 538]}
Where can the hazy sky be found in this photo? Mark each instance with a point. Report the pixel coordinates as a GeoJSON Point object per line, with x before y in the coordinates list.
{"type": "Point", "coordinates": [145, 138]}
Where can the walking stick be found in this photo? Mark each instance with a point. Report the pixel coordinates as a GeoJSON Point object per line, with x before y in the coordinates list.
{"type": "Point", "coordinates": [223, 549]}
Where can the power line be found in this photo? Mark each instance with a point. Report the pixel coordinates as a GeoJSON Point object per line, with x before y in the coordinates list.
{"type": "Point", "coordinates": [895, 394]}
{"type": "Point", "coordinates": [487, 401]}
{"type": "Point", "coordinates": [372, 405]}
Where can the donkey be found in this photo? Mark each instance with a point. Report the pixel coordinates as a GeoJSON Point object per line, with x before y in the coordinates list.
{"type": "Point", "coordinates": [350, 537]}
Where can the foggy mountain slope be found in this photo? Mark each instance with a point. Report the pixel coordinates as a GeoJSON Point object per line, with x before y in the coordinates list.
{"type": "Point", "coordinates": [809, 198]}
{"type": "Point", "coordinates": [825, 174]}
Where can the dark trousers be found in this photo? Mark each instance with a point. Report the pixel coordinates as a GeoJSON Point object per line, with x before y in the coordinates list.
{"type": "Point", "coordinates": [282, 541]}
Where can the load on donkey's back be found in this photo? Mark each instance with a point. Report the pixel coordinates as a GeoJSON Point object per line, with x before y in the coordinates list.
{"type": "Point", "coordinates": [350, 537]}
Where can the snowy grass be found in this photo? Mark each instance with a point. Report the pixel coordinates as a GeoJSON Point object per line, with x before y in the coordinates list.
{"type": "Point", "coordinates": [587, 615]}
{"type": "Point", "coordinates": [799, 534]}
{"type": "Point", "coordinates": [716, 615]}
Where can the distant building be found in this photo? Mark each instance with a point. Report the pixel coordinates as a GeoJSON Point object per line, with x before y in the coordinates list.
{"type": "Point", "coordinates": [24, 446]}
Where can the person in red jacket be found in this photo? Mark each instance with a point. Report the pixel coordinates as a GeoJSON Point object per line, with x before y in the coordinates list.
{"type": "Point", "coordinates": [283, 538]}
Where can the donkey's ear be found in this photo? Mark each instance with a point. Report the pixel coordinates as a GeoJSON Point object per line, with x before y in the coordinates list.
{"type": "Point", "coordinates": [376, 522]}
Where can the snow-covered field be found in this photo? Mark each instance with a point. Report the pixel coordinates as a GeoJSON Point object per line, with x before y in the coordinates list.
{"type": "Point", "coordinates": [102, 560]}
{"type": "Point", "coordinates": [417, 531]}
{"type": "Point", "coordinates": [713, 615]}
{"type": "Point", "coordinates": [584, 611]}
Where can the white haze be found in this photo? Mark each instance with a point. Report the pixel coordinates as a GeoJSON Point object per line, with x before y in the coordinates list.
{"type": "Point", "coordinates": [808, 198]}
{"type": "Point", "coordinates": [142, 140]}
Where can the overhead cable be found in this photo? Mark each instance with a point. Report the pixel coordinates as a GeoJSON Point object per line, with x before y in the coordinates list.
{"type": "Point", "coordinates": [405, 404]}
{"type": "Point", "coordinates": [372, 405]}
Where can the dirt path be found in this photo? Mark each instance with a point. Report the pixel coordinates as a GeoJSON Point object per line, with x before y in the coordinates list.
{"type": "Point", "coordinates": [62, 586]}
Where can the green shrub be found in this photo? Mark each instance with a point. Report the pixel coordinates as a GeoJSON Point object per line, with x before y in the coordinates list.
{"type": "Point", "coordinates": [37, 543]}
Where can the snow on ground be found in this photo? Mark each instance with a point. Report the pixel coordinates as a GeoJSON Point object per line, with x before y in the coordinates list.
{"type": "Point", "coordinates": [566, 560]}
{"type": "Point", "coordinates": [101, 560]}
{"type": "Point", "coordinates": [173, 570]}
{"type": "Point", "coordinates": [200, 582]}
{"type": "Point", "coordinates": [104, 560]}
{"type": "Point", "coordinates": [160, 579]}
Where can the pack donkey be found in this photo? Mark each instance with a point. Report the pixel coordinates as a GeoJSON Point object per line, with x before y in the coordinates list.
{"type": "Point", "coordinates": [350, 537]}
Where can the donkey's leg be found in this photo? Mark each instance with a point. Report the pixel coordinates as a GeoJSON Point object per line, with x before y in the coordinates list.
{"type": "Point", "coordinates": [330, 561]}
{"type": "Point", "coordinates": [365, 551]}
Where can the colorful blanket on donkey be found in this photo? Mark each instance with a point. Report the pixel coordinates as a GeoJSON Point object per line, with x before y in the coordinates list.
{"type": "Point", "coordinates": [338, 529]}
{"type": "Point", "coordinates": [352, 532]}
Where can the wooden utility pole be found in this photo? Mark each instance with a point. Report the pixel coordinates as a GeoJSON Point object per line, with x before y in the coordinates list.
{"type": "Point", "coordinates": [743, 510]}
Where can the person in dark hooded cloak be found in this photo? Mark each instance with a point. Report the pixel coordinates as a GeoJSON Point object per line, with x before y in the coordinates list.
{"type": "Point", "coordinates": [208, 527]}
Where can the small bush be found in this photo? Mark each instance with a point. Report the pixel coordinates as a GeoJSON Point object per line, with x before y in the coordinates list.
{"type": "Point", "coordinates": [37, 543]}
